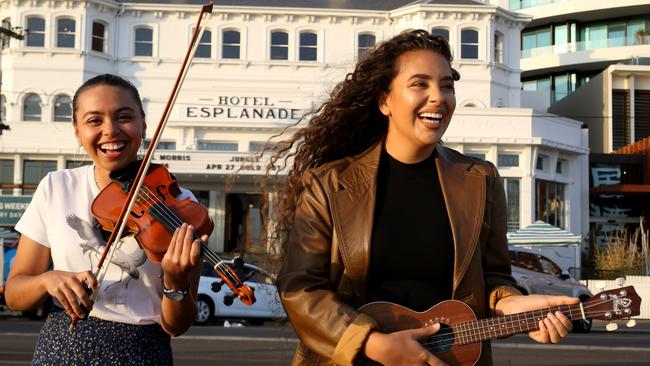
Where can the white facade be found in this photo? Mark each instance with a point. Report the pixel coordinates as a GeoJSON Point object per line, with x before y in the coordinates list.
{"type": "Point", "coordinates": [237, 104]}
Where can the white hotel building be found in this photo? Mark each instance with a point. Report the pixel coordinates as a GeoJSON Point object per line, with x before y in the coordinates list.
{"type": "Point", "coordinates": [260, 64]}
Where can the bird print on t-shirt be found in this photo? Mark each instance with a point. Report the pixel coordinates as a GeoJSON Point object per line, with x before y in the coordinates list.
{"type": "Point", "coordinates": [94, 244]}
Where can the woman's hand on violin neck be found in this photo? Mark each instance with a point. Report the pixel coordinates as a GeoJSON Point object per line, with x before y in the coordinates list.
{"type": "Point", "coordinates": [401, 348]}
{"type": "Point", "coordinates": [183, 255]}
{"type": "Point", "coordinates": [72, 290]}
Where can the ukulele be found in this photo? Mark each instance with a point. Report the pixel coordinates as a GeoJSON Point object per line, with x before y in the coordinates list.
{"type": "Point", "coordinates": [458, 342]}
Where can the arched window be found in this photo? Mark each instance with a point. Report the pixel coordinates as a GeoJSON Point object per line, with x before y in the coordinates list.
{"type": "Point", "coordinates": [62, 109]}
{"type": "Point", "coordinates": [366, 42]}
{"type": "Point", "coordinates": [469, 44]}
{"type": "Point", "coordinates": [498, 47]}
{"type": "Point", "coordinates": [143, 42]}
{"type": "Point", "coordinates": [279, 45]}
{"type": "Point", "coordinates": [444, 33]}
{"type": "Point", "coordinates": [32, 108]}
{"type": "Point", "coordinates": [36, 35]}
{"type": "Point", "coordinates": [204, 49]}
{"type": "Point", "coordinates": [99, 37]}
{"type": "Point", "coordinates": [308, 46]}
{"type": "Point", "coordinates": [65, 29]}
{"type": "Point", "coordinates": [231, 45]}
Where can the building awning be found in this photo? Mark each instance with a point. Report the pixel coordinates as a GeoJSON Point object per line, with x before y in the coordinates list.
{"type": "Point", "coordinates": [541, 233]}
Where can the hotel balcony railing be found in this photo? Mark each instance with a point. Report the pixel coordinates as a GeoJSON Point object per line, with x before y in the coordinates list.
{"type": "Point", "coordinates": [585, 46]}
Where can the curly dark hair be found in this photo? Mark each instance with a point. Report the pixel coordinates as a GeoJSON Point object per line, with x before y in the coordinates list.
{"type": "Point", "coordinates": [350, 121]}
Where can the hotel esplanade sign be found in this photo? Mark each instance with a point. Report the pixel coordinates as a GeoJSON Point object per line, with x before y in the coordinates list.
{"type": "Point", "coordinates": [244, 108]}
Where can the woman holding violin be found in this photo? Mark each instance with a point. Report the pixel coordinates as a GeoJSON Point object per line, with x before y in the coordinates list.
{"type": "Point", "coordinates": [140, 303]}
{"type": "Point", "coordinates": [375, 208]}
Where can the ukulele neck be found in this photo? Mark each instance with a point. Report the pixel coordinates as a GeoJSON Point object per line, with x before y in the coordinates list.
{"type": "Point", "coordinates": [503, 326]}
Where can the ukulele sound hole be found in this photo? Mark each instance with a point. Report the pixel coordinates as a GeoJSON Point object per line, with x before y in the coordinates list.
{"type": "Point", "coordinates": [441, 341]}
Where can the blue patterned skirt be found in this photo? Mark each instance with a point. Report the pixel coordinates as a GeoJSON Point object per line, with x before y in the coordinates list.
{"type": "Point", "coordinates": [100, 342]}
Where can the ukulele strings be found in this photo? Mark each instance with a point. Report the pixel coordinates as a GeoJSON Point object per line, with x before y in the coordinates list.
{"type": "Point", "coordinates": [154, 204]}
{"type": "Point", "coordinates": [483, 329]}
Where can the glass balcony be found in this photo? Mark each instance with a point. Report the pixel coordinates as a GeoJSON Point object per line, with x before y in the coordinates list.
{"type": "Point", "coordinates": [586, 46]}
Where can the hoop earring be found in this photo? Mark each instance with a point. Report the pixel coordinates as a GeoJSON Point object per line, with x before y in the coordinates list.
{"type": "Point", "coordinates": [78, 158]}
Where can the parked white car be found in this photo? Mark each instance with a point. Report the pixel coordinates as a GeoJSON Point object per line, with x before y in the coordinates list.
{"type": "Point", "coordinates": [212, 304]}
{"type": "Point", "coordinates": [536, 274]}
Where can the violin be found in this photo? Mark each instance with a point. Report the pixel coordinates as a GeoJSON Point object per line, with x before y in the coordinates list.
{"type": "Point", "coordinates": [157, 213]}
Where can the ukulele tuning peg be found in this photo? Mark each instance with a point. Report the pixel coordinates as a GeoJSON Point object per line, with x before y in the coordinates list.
{"type": "Point", "coordinates": [216, 286]}
{"type": "Point", "coordinates": [630, 323]}
{"type": "Point", "coordinates": [620, 281]}
{"type": "Point", "coordinates": [600, 285]}
{"type": "Point", "coordinates": [611, 327]}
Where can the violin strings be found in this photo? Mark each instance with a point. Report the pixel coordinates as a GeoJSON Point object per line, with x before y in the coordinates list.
{"type": "Point", "coordinates": [153, 203]}
{"type": "Point", "coordinates": [478, 329]}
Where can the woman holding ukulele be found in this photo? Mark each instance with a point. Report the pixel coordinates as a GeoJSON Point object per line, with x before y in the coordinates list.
{"type": "Point", "coordinates": [375, 208]}
{"type": "Point", "coordinates": [131, 321]}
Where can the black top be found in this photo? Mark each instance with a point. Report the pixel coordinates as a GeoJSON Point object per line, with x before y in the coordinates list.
{"type": "Point", "coordinates": [412, 249]}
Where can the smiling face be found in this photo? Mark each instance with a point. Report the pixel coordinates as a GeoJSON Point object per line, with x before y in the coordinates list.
{"type": "Point", "coordinates": [419, 105]}
{"type": "Point", "coordinates": [110, 126]}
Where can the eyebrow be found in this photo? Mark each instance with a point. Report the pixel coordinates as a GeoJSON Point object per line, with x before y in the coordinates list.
{"type": "Point", "coordinates": [428, 77]}
{"type": "Point", "coordinates": [92, 113]}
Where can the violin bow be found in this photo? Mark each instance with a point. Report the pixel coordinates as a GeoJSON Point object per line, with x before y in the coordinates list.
{"type": "Point", "coordinates": [120, 223]}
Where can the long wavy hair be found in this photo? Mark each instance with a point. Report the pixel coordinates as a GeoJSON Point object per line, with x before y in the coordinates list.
{"type": "Point", "coordinates": [349, 122]}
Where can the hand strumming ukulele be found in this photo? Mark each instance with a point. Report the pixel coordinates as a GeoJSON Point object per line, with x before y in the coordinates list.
{"type": "Point", "coordinates": [458, 342]}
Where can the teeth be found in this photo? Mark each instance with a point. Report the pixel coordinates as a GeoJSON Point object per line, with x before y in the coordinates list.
{"type": "Point", "coordinates": [430, 115]}
{"type": "Point", "coordinates": [112, 146]}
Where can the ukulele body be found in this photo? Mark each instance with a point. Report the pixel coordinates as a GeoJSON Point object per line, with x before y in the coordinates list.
{"type": "Point", "coordinates": [392, 318]}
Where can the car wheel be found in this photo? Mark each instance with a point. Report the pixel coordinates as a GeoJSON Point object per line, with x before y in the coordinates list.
{"type": "Point", "coordinates": [204, 310]}
{"type": "Point", "coordinates": [582, 325]}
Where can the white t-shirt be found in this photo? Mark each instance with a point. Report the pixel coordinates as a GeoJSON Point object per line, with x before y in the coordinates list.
{"type": "Point", "coordinates": [59, 217]}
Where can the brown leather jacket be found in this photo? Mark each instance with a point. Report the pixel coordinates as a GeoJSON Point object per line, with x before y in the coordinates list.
{"type": "Point", "coordinates": [323, 279]}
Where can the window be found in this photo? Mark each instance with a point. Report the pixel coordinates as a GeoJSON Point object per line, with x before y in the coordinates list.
{"type": "Point", "coordinates": [560, 166]}
{"type": "Point", "coordinates": [535, 43]}
{"type": "Point", "coordinates": [549, 267]}
{"type": "Point", "coordinates": [65, 33]}
{"type": "Point", "coordinates": [507, 160]}
{"type": "Point", "coordinates": [143, 42]}
{"type": "Point", "coordinates": [540, 163]}
{"type": "Point", "coordinates": [99, 37]}
{"type": "Point", "coordinates": [549, 202]}
{"type": "Point", "coordinates": [36, 35]}
{"type": "Point", "coordinates": [63, 109]}
{"type": "Point", "coordinates": [33, 172]}
{"type": "Point", "coordinates": [444, 33]}
{"type": "Point", "coordinates": [366, 43]}
{"type": "Point", "coordinates": [231, 45]}
{"type": "Point", "coordinates": [4, 41]}
{"type": "Point", "coordinates": [162, 145]}
{"type": "Point", "coordinates": [205, 145]}
{"type": "Point", "coordinates": [469, 44]}
{"type": "Point", "coordinates": [204, 49]}
{"type": "Point", "coordinates": [3, 108]}
{"type": "Point", "coordinates": [32, 108]}
{"type": "Point", "coordinates": [511, 186]}
{"type": "Point", "coordinates": [308, 46]}
{"type": "Point", "coordinates": [6, 176]}
{"type": "Point", "coordinates": [498, 48]}
{"type": "Point", "coordinates": [279, 45]}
